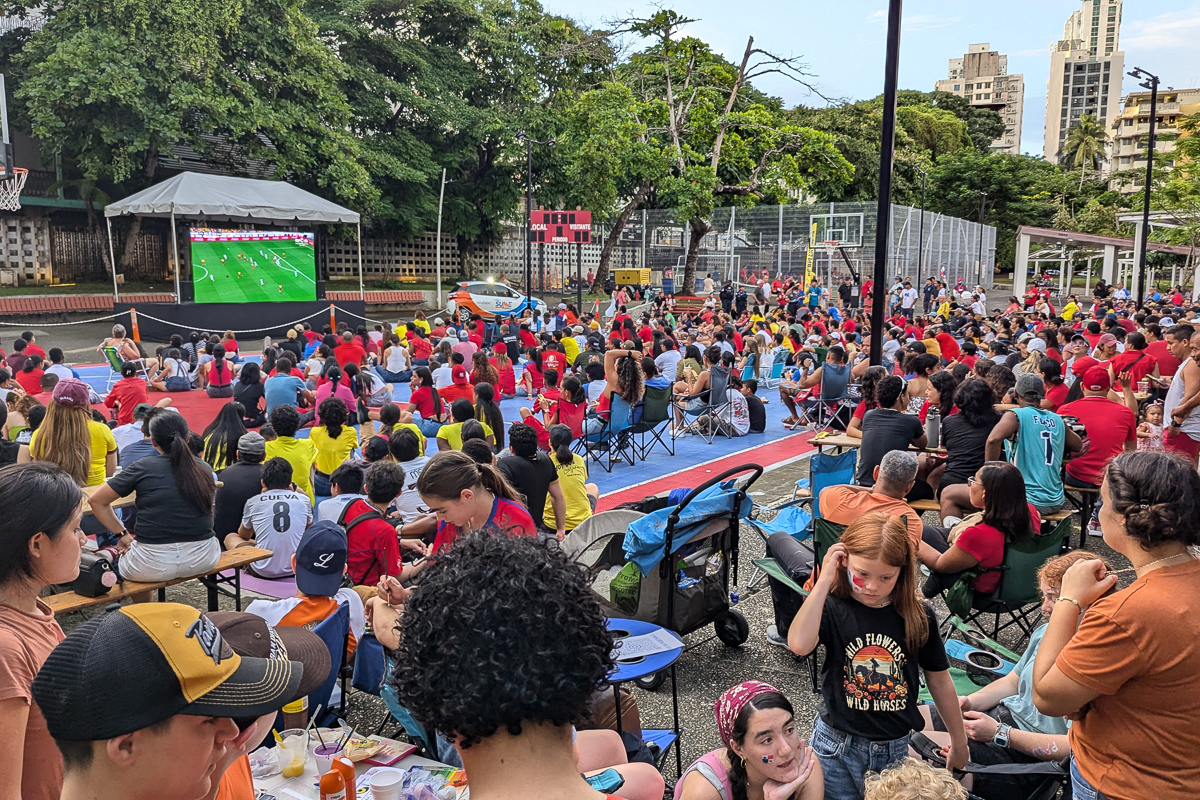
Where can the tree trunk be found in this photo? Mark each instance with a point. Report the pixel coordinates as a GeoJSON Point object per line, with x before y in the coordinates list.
{"type": "Point", "coordinates": [699, 229]}
{"type": "Point", "coordinates": [614, 235]}
{"type": "Point", "coordinates": [94, 229]}
{"type": "Point", "coordinates": [466, 258]}
{"type": "Point", "coordinates": [135, 228]}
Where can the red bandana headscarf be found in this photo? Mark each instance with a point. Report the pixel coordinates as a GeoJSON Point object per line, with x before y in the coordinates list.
{"type": "Point", "coordinates": [733, 700]}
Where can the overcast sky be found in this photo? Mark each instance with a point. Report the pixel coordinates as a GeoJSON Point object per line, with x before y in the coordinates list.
{"type": "Point", "coordinates": [843, 42]}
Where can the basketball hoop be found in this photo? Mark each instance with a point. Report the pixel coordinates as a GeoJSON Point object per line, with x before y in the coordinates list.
{"type": "Point", "coordinates": [830, 245]}
{"type": "Point", "coordinates": [10, 189]}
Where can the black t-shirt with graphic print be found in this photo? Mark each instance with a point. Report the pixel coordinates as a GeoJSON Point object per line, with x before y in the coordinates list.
{"type": "Point", "coordinates": [870, 680]}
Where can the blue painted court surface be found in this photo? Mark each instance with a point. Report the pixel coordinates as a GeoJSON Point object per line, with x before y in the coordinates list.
{"type": "Point", "coordinates": [690, 451]}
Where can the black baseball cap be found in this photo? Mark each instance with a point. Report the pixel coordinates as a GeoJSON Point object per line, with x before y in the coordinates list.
{"type": "Point", "coordinates": [321, 559]}
{"type": "Point", "coordinates": [134, 667]}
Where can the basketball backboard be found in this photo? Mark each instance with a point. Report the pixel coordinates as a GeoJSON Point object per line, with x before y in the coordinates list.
{"type": "Point", "coordinates": [846, 229]}
{"type": "Point", "coordinates": [6, 158]}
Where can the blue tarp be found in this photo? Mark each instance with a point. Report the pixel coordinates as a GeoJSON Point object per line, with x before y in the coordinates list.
{"type": "Point", "coordinates": [645, 539]}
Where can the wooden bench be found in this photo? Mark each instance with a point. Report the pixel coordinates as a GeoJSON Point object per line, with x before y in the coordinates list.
{"type": "Point", "coordinates": [233, 559]}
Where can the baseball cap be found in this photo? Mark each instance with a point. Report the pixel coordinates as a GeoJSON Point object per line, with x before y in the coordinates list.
{"type": "Point", "coordinates": [134, 667]}
{"type": "Point", "coordinates": [563, 306]}
{"type": "Point", "coordinates": [458, 373]}
{"type": "Point", "coordinates": [1107, 340]}
{"type": "Point", "coordinates": [71, 392]}
{"type": "Point", "coordinates": [1031, 386]}
{"type": "Point", "coordinates": [252, 444]}
{"type": "Point", "coordinates": [1096, 379]}
{"type": "Point", "coordinates": [463, 335]}
{"type": "Point", "coordinates": [1025, 337]}
{"type": "Point", "coordinates": [1037, 344]}
{"type": "Point", "coordinates": [578, 329]}
{"type": "Point", "coordinates": [249, 635]}
{"type": "Point", "coordinates": [321, 559]}
{"type": "Point", "coordinates": [139, 411]}
{"type": "Point", "coordinates": [915, 347]}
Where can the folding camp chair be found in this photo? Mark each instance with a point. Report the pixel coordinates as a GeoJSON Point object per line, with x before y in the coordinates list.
{"type": "Point", "coordinates": [1018, 594]}
{"type": "Point", "coordinates": [613, 439]}
{"type": "Point", "coordinates": [115, 362]}
{"type": "Point", "coordinates": [714, 403]}
{"type": "Point", "coordinates": [656, 410]}
{"type": "Point", "coordinates": [334, 631]}
{"type": "Point", "coordinates": [773, 377]}
{"type": "Point", "coordinates": [823, 411]}
{"type": "Point", "coordinates": [571, 415]}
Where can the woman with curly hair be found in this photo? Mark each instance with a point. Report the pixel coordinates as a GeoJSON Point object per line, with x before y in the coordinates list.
{"type": "Point", "coordinates": [763, 756]}
{"type": "Point", "coordinates": [334, 441]}
{"type": "Point", "coordinates": [1128, 672]}
{"type": "Point", "coordinates": [482, 370]}
{"type": "Point", "coordinates": [547, 651]}
{"type": "Point", "coordinates": [623, 377]}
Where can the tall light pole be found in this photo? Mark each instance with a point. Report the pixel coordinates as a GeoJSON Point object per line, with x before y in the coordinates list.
{"type": "Point", "coordinates": [529, 143]}
{"type": "Point", "coordinates": [982, 211]}
{"type": "Point", "coordinates": [1151, 83]}
{"type": "Point", "coordinates": [441, 196]}
{"type": "Point", "coordinates": [883, 208]}
{"type": "Point", "coordinates": [921, 228]}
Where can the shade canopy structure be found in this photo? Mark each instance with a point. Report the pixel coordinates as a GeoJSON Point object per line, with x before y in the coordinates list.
{"type": "Point", "coordinates": [225, 198]}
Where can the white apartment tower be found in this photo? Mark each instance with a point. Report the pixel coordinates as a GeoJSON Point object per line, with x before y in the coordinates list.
{"type": "Point", "coordinates": [981, 76]}
{"type": "Point", "coordinates": [1086, 68]}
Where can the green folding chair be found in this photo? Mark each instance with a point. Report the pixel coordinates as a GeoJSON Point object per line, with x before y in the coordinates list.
{"type": "Point", "coordinates": [1017, 594]}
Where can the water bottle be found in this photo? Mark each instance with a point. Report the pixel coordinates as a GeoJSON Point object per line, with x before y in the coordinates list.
{"type": "Point", "coordinates": [933, 427]}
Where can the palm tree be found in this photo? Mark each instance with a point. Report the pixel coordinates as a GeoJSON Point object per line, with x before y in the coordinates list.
{"type": "Point", "coordinates": [1085, 145]}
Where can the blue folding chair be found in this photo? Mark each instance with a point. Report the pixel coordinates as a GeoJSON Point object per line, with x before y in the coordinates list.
{"type": "Point", "coordinates": [613, 439]}
{"type": "Point", "coordinates": [334, 631]}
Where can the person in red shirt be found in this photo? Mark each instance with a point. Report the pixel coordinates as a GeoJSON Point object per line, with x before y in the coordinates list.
{"type": "Point", "coordinates": [527, 338]}
{"type": "Point", "coordinates": [1135, 361]}
{"type": "Point", "coordinates": [948, 344]}
{"type": "Point", "coordinates": [127, 393]}
{"type": "Point", "coordinates": [1170, 351]}
{"type": "Point", "coordinates": [1008, 517]}
{"type": "Point", "coordinates": [504, 366]}
{"type": "Point", "coordinates": [1105, 349]}
{"type": "Point", "coordinates": [1093, 333]}
{"type": "Point", "coordinates": [30, 375]}
{"type": "Point", "coordinates": [373, 548]}
{"type": "Point", "coordinates": [349, 351]}
{"type": "Point", "coordinates": [460, 388]}
{"type": "Point", "coordinates": [554, 359]}
{"type": "Point", "coordinates": [467, 496]}
{"type": "Point", "coordinates": [1111, 428]}
{"type": "Point", "coordinates": [31, 348]}
{"type": "Point", "coordinates": [1056, 388]}
{"type": "Point", "coordinates": [422, 350]}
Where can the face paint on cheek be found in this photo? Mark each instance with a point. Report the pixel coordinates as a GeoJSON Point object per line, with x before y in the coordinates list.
{"type": "Point", "coordinates": [857, 584]}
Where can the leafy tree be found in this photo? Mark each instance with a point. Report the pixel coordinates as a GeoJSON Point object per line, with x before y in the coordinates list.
{"type": "Point", "coordinates": [984, 126]}
{"type": "Point", "coordinates": [727, 141]}
{"type": "Point", "coordinates": [611, 161]}
{"type": "Point", "coordinates": [114, 86]}
{"type": "Point", "coordinates": [1084, 145]}
{"type": "Point", "coordinates": [933, 130]}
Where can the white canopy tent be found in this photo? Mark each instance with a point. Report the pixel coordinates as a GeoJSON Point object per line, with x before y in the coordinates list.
{"type": "Point", "coordinates": [224, 198]}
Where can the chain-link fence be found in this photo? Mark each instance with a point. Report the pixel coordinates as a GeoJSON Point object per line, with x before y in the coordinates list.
{"type": "Point", "coordinates": [742, 243]}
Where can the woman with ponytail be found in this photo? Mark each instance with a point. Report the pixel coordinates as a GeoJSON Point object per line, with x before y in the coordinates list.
{"type": "Point", "coordinates": [467, 496]}
{"type": "Point", "coordinates": [487, 411]}
{"type": "Point", "coordinates": [579, 495]}
{"type": "Point", "coordinates": [336, 385]}
{"type": "Point", "coordinates": [426, 402]}
{"type": "Point", "coordinates": [174, 536]}
{"type": "Point", "coordinates": [763, 757]}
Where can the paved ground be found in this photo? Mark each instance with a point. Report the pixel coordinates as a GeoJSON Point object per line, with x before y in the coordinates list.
{"type": "Point", "coordinates": [705, 669]}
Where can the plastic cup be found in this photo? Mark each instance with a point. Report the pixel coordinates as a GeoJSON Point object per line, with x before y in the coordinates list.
{"type": "Point", "coordinates": [293, 752]}
{"type": "Point", "coordinates": [324, 754]}
{"type": "Point", "coordinates": [1144, 386]}
{"type": "Point", "coordinates": [386, 784]}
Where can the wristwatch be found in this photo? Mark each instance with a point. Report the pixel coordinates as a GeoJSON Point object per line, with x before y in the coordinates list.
{"type": "Point", "coordinates": [1001, 737]}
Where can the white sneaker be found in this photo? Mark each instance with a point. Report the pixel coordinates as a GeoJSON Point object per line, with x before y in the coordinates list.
{"type": "Point", "coordinates": [774, 638]}
{"type": "Point", "coordinates": [1093, 528]}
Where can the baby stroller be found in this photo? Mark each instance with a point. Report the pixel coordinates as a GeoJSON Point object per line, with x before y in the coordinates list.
{"type": "Point", "coordinates": [690, 588]}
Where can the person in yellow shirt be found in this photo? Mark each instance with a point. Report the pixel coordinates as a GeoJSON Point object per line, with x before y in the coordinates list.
{"type": "Point", "coordinates": [68, 422]}
{"type": "Point", "coordinates": [300, 453]}
{"type": "Point", "coordinates": [1070, 309]}
{"type": "Point", "coordinates": [944, 310]}
{"type": "Point", "coordinates": [449, 437]}
{"type": "Point", "coordinates": [333, 441]}
{"type": "Point", "coordinates": [579, 496]}
{"type": "Point", "coordinates": [569, 345]}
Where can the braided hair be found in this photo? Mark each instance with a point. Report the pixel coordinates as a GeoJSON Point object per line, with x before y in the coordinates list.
{"type": "Point", "coordinates": [741, 726]}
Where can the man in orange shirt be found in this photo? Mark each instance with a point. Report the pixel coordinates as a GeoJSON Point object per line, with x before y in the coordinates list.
{"type": "Point", "coordinates": [894, 478]}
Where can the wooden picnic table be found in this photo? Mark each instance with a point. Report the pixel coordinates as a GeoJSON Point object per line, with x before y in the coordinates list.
{"type": "Point", "coordinates": [234, 560]}
{"type": "Point", "coordinates": [843, 442]}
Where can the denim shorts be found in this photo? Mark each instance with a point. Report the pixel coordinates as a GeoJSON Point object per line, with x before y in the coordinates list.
{"type": "Point", "coordinates": [846, 759]}
{"type": "Point", "coordinates": [1080, 788]}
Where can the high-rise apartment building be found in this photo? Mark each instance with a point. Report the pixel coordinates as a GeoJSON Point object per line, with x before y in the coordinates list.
{"type": "Point", "coordinates": [1131, 128]}
{"type": "Point", "coordinates": [981, 76]}
{"type": "Point", "coordinates": [1086, 68]}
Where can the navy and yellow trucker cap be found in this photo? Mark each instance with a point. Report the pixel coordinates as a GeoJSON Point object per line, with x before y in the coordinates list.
{"type": "Point", "coordinates": [136, 666]}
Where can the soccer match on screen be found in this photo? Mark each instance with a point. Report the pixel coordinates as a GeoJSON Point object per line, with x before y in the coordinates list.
{"type": "Point", "coordinates": [240, 266]}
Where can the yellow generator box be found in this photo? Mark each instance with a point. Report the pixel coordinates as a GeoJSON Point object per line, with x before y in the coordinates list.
{"type": "Point", "coordinates": [632, 277]}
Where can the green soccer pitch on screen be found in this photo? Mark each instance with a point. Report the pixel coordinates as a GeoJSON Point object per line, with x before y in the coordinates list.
{"type": "Point", "coordinates": [240, 266]}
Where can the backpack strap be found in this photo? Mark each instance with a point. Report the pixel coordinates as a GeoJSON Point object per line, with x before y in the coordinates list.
{"type": "Point", "coordinates": [370, 514]}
